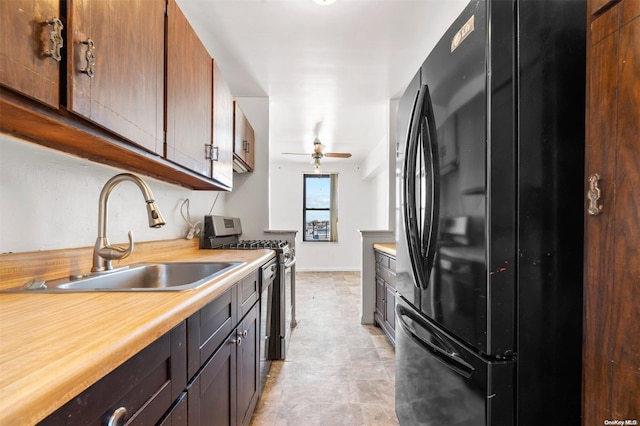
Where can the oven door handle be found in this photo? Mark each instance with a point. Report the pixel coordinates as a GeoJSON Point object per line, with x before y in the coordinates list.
{"type": "Point", "coordinates": [290, 263]}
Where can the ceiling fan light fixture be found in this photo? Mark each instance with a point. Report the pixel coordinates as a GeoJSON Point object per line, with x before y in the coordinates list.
{"type": "Point", "coordinates": [324, 2]}
{"type": "Point", "coordinates": [316, 166]}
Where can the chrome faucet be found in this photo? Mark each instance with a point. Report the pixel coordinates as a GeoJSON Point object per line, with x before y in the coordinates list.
{"type": "Point", "coordinates": [103, 252]}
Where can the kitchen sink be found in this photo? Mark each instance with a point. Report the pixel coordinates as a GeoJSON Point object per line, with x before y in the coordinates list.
{"type": "Point", "coordinates": [170, 276]}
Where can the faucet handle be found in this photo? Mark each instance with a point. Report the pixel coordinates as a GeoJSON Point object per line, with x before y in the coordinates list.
{"type": "Point", "coordinates": [115, 252]}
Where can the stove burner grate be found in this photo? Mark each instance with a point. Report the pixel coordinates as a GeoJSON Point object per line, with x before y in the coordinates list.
{"type": "Point", "coordinates": [256, 244]}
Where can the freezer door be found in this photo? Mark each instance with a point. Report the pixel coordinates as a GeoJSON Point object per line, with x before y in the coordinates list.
{"type": "Point", "coordinates": [441, 382]}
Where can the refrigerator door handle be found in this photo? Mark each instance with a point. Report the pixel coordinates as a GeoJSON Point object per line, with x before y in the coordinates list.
{"type": "Point", "coordinates": [430, 148]}
{"type": "Point", "coordinates": [443, 354]}
{"type": "Point", "coordinates": [410, 210]}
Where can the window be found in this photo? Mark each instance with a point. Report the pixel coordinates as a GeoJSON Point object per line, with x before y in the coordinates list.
{"type": "Point", "coordinates": [320, 209]}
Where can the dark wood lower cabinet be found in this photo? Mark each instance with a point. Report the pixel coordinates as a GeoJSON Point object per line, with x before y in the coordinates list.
{"type": "Point", "coordinates": [206, 371]}
{"type": "Point", "coordinates": [226, 389]}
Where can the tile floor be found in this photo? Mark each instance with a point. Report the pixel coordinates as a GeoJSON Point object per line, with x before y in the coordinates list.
{"type": "Point", "coordinates": [337, 371]}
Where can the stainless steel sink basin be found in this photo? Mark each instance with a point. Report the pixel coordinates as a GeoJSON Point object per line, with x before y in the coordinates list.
{"type": "Point", "coordinates": [168, 276]}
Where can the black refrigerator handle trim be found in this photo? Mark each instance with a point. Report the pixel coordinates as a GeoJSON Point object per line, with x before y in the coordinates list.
{"type": "Point", "coordinates": [448, 358]}
{"type": "Point", "coordinates": [431, 135]}
{"type": "Point", "coordinates": [410, 212]}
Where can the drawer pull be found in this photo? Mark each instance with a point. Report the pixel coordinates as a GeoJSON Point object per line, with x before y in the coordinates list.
{"type": "Point", "coordinates": [118, 417]}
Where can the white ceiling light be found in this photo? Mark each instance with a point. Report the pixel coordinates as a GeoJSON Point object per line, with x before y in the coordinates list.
{"type": "Point", "coordinates": [325, 2]}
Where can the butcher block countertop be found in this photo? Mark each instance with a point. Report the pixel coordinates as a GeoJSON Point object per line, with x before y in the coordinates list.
{"type": "Point", "coordinates": [389, 248]}
{"type": "Point", "coordinates": [54, 346]}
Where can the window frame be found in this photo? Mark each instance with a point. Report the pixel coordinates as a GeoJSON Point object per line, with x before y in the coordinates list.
{"type": "Point", "coordinates": [332, 238]}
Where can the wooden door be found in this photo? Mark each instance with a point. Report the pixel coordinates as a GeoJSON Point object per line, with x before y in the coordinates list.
{"type": "Point", "coordinates": [611, 362]}
{"type": "Point", "coordinates": [115, 67]}
{"type": "Point", "coordinates": [222, 129]}
{"type": "Point", "coordinates": [189, 94]}
{"type": "Point", "coordinates": [28, 63]}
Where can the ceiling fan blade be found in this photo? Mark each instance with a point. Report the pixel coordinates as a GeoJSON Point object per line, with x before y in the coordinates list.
{"type": "Point", "coordinates": [296, 153]}
{"type": "Point", "coordinates": [338, 154]}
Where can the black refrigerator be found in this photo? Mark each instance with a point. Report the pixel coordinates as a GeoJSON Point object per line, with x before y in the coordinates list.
{"type": "Point", "coordinates": [489, 235]}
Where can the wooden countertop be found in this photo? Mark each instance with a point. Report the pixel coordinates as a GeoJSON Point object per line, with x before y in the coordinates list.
{"type": "Point", "coordinates": [54, 346]}
{"type": "Point", "coordinates": [389, 248]}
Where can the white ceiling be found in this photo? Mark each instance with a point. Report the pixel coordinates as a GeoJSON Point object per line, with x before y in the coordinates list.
{"type": "Point", "coordinates": [337, 65]}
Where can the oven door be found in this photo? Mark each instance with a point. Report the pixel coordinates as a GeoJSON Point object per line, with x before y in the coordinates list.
{"type": "Point", "coordinates": [268, 275]}
{"type": "Point", "coordinates": [284, 290]}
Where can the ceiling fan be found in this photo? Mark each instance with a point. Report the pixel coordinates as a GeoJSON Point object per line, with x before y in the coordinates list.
{"type": "Point", "coordinates": [318, 153]}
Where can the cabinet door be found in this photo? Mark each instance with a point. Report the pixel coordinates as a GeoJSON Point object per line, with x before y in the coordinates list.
{"type": "Point", "coordinates": [209, 327]}
{"type": "Point", "coordinates": [212, 395]}
{"type": "Point", "coordinates": [222, 129]}
{"type": "Point", "coordinates": [390, 305]}
{"type": "Point", "coordinates": [239, 131]}
{"type": "Point", "coordinates": [26, 36]}
{"type": "Point", "coordinates": [189, 94]}
{"type": "Point", "coordinates": [115, 67]}
{"type": "Point", "coordinates": [611, 385]}
{"type": "Point", "coordinates": [248, 379]}
{"type": "Point", "coordinates": [249, 155]}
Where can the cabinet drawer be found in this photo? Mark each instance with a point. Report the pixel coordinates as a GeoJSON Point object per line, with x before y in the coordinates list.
{"type": "Point", "coordinates": [382, 259]}
{"type": "Point", "coordinates": [392, 264]}
{"type": "Point", "coordinates": [208, 328]}
{"type": "Point", "coordinates": [146, 386]}
{"type": "Point", "coordinates": [248, 293]}
{"type": "Point", "coordinates": [385, 274]}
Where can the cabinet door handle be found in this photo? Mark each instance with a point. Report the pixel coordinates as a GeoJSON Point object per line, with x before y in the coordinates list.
{"type": "Point", "coordinates": [118, 416]}
{"type": "Point", "coordinates": [55, 37]}
{"type": "Point", "coordinates": [237, 341]}
{"type": "Point", "coordinates": [90, 57]}
{"type": "Point", "coordinates": [594, 194]}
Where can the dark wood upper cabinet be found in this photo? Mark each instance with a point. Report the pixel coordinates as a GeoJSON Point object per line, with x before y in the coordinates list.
{"type": "Point", "coordinates": [222, 129]}
{"type": "Point", "coordinates": [189, 94]}
{"type": "Point", "coordinates": [611, 365]}
{"type": "Point", "coordinates": [115, 67]}
{"type": "Point", "coordinates": [133, 86]}
{"type": "Point", "coordinates": [28, 27]}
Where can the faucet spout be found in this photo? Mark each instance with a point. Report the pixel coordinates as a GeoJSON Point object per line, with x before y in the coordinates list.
{"type": "Point", "coordinates": [103, 252]}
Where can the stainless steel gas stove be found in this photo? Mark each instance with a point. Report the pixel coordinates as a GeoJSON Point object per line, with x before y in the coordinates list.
{"type": "Point", "coordinates": [222, 232]}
